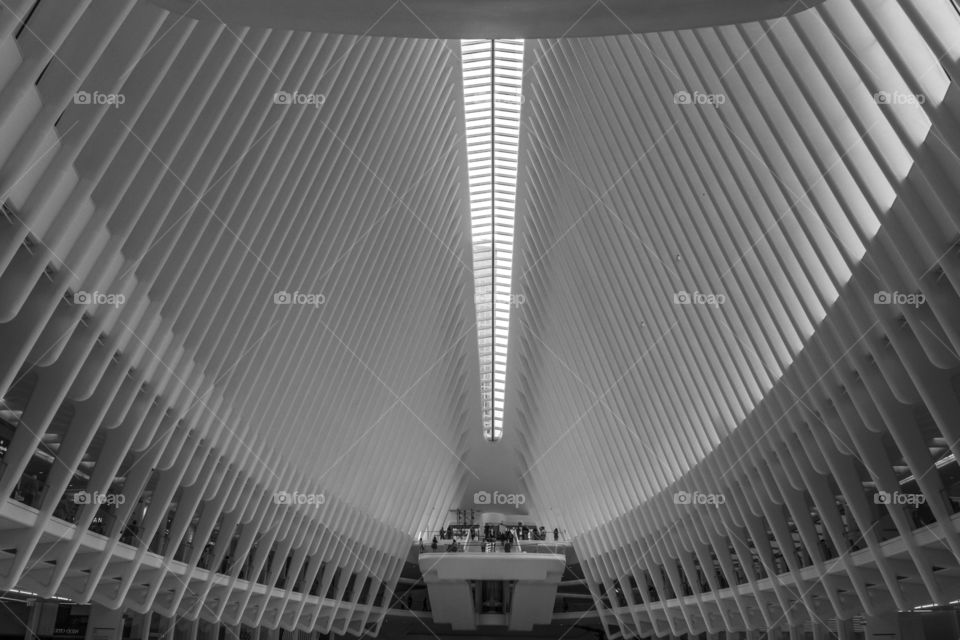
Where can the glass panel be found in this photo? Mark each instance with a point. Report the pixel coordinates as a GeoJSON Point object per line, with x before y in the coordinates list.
{"type": "Point", "coordinates": [492, 80]}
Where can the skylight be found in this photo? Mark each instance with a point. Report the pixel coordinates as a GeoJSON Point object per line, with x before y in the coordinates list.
{"type": "Point", "coordinates": [492, 79]}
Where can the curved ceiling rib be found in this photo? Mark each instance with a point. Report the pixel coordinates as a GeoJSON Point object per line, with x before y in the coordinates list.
{"type": "Point", "coordinates": [240, 361]}
{"type": "Point", "coordinates": [739, 246]}
{"type": "Point", "coordinates": [241, 257]}
{"type": "Point", "coordinates": [485, 18]}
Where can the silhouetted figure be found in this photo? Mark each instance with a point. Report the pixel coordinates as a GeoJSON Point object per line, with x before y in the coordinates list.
{"type": "Point", "coordinates": [556, 534]}
{"type": "Point", "coordinates": [433, 545]}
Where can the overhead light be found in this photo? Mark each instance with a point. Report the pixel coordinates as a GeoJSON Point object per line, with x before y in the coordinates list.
{"type": "Point", "coordinates": [31, 594]}
{"type": "Point", "coordinates": [492, 83]}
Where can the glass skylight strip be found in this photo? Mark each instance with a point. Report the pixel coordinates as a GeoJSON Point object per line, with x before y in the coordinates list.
{"type": "Point", "coordinates": [492, 79]}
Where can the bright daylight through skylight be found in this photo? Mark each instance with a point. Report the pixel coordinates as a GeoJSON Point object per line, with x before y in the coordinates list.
{"type": "Point", "coordinates": [492, 78]}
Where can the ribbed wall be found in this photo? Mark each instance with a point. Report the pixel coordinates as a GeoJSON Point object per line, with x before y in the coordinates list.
{"type": "Point", "coordinates": [707, 221]}
{"type": "Point", "coordinates": [242, 165]}
{"type": "Point", "coordinates": [721, 239]}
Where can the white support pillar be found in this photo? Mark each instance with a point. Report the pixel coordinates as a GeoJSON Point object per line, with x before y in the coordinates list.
{"type": "Point", "coordinates": [141, 626]}
{"type": "Point", "coordinates": [33, 620]}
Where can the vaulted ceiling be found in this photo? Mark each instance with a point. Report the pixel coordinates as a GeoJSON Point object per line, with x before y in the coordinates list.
{"type": "Point", "coordinates": [236, 263]}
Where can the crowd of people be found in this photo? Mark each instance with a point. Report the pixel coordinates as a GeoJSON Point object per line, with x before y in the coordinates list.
{"type": "Point", "coordinates": [494, 537]}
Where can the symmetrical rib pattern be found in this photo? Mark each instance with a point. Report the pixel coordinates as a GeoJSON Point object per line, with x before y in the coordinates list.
{"type": "Point", "coordinates": [235, 281]}
{"type": "Point", "coordinates": [738, 357]}
{"type": "Point", "coordinates": [240, 357]}
{"type": "Point", "coordinates": [492, 77]}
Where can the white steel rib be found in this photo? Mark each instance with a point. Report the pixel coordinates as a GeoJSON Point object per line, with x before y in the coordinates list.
{"type": "Point", "coordinates": [237, 290]}
{"type": "Point", "coordinates": [284, 218]}
{"type": "Point", "coordinates": [740, 252]}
